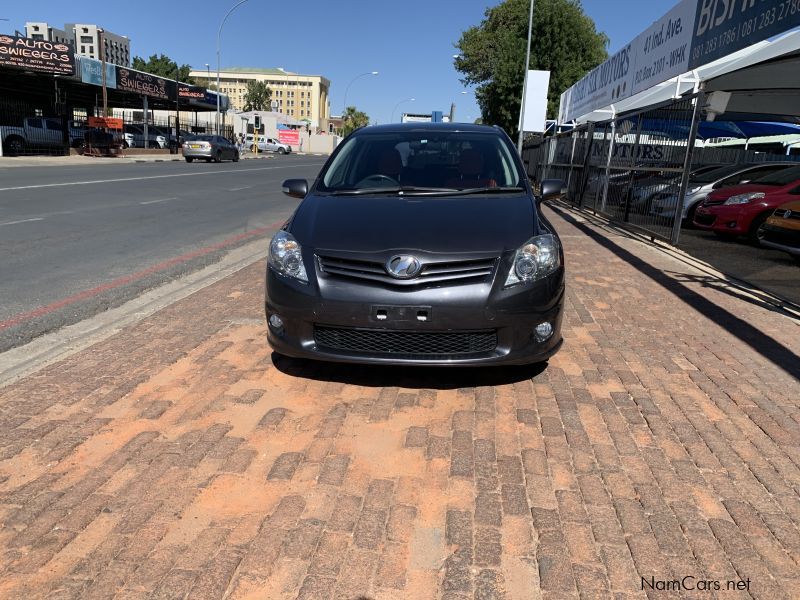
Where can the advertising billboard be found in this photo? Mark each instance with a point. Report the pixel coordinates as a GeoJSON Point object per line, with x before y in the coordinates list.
{"type": "Point", "coordinates": [289, 136]}
{"type": "Point", "coordinates": [37, 55]}
{"type": "Point", "coordinates": [693, 34]}
{"type": "Point", "coordinates": [92, 72]}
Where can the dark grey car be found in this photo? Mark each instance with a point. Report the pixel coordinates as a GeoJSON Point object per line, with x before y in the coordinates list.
{"type": "Point", "coordinates": [418, 244]}
{"type": "Point", "coordinates": [208, 148]}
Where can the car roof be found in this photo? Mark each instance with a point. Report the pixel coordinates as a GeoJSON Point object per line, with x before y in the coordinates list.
{"type": "Point", "coordinates": [405, 127]}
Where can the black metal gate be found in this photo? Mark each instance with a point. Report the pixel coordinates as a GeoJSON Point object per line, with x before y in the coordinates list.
{"type": "Point", "coordinates": [28, 128]}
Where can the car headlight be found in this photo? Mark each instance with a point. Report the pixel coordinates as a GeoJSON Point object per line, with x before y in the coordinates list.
{"type": "Point", "coordinates": [537, 258]}
{"type": "Point", "coordinates": [744, 198]}
{"type": "Point", "coordinates": [286, 256]}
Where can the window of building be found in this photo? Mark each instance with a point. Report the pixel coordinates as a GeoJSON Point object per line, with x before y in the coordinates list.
{"type": "Point", "coordinates": [85, 30]}
{"type": "Point", "coordinates": [37, 36]}
{"type": "Point", "coordinates": [83, 49]}
{"type": "Point", "coordinates": [36, 28]}
{"type": "Point", "coordinates": [86, 39]}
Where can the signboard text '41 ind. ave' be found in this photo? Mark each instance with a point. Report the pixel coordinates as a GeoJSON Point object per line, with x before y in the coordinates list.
{"type": "Point", "coordinates": [37, 55]}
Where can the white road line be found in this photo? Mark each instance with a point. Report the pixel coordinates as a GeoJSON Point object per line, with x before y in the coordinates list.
{"type": "Point", "coordinates": [49, 185]}
{"type": "Point", "coordinates": [247, 187]}
{"type": "Point", "coordinates": [157, 201]}
{"type": "Point", "coordinates": [22, 221]}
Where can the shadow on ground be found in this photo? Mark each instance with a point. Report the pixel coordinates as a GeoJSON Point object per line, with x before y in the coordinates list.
{"type": "Point", "coordinates": [434, 378]}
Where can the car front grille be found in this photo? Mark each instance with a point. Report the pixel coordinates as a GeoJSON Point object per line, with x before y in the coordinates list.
{"type": "Point", "coordinates": [424, 344]}
{"type": "Point", "coordinates": [706, 220]}
{"type": "Point", "coordinates": [713, 202]}
{"type": "Point", "coordinates": [458, 270]}
{"type": "Point", "coordinates": [785, 237]}
{"type": "Point", "coordinates": [782, 213]}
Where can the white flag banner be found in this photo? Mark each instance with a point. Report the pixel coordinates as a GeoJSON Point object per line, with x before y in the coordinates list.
{"type": "Point", "coordinates": [536, 101]}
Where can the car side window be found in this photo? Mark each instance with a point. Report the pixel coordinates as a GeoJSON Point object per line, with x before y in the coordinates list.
{"type": "Point", "coordinates": [53, 123]}
{"type": "Point", "coordinates": [37, 123]}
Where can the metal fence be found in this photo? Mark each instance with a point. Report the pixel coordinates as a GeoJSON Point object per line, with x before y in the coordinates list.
{"type": "Point", "coordinates": [40, 128]}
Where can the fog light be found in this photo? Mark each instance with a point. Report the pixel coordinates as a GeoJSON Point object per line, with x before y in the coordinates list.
{"type": "Point", "coordinates": [275, 322]}
{"type": "Point", "coordinates": [543, 331]}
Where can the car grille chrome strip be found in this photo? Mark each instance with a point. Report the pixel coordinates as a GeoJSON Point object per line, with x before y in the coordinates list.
{"type": "Point", "coordinates": [431, 272]}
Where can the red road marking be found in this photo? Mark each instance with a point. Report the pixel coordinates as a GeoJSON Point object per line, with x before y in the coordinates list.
{"type": "Point", "coordinates": [43, 310]}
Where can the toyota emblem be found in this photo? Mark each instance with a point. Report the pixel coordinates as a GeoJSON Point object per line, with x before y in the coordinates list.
{"type": "Point", "coordinates": [403, 266]}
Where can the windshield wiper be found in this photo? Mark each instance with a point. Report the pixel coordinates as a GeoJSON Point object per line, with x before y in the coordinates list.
{"type": "Point", "coordinates": [489, 190]}
{"type": "Point", "coordinates": [406, 189]}
{"type": "Point", "coordinates": [427, 191]}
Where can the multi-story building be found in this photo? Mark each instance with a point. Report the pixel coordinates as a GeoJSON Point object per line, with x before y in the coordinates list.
{"type": "Point", "coordinates": [302, 97]}
{"type": "Point", "coordinates": [86, 39]}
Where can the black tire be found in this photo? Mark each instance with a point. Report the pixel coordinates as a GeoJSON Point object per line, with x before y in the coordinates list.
{"type": "Point", "coordinates": [281, 151]}
{"type": "Point", "coordinates": [756, 232]}
{"type": "Point", "coordinates": [207, 160]}
{"type": "Point", "coordinates": [689, 222]}
{"type": "Point", "coordinates": [125, 145]}
{"type": "Point", "coordinates": [218, 157]}
{"type": "Point", "coordinates": [236, 156]}
{"type": "Point", "coordinates": [14, 145]}
{"type": "Point", "coordinates": [189, 158]}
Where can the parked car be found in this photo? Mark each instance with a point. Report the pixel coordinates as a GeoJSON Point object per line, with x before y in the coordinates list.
{"type": "Point", "coordinates": [645, 191]}
{"type": "Point", "coordinates": [38, 133]}
{"type": "Point", "coordinates": [267, 144]}
{"type": "Point", "coordinates": [418, 244]}
{"type": "Point", "coordinates": [744, 209]}
{"type": "Point", "coordinates": [210, 147]}
{"type": "Point", "coordinates": [701, 185]}
{"type": "Point", "coordinates": [133, 136]}
{"type": "Point", "coordinates": [782, 229]}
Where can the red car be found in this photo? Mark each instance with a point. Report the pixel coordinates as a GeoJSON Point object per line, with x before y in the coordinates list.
{"type": "Point", "coordinates": [743, 209]}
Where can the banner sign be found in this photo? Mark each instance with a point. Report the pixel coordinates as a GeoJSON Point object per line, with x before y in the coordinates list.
{"type": "Point", "coordinates": [105, 122]}
{"type": "Point", "coordinates": [289, 136]}
{"type": "Point", "coordinates": [92, 72]}
{"type": "Point", "coordinates": [145, 84]}
{"type": "Point", "coordinates": [536, 101]}
{"type": "Point", "coordinates": [37, 55]}
{"type": "Point", "coordinates": [692, 34]}
{"type": "Point", "coordinates": [725, 26]}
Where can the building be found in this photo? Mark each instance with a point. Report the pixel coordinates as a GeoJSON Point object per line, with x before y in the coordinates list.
{"type": "Point", "coordinates": [86, 39]}
{"type": "Point", "coordinates": [301, 97]}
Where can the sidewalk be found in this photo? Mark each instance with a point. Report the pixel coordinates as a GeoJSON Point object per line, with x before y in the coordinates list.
{"type": "Point", "coordinates": [660, 448]}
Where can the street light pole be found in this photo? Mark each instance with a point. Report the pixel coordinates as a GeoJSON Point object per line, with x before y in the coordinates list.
{"type": "Point", "coordinates": [398, 104]}
{"type": "Point", "coordinates": [219, 33]}
{"type": "Point", "coordinates": [347, 89]}
{"type": "Point", "coordinates": [208, 74]}
{"type": "Point", "coordinates": [525, 83]}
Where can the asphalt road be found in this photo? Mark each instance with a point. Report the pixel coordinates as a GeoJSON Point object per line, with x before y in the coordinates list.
{"type": "Point", "coordinates": [77, 240]}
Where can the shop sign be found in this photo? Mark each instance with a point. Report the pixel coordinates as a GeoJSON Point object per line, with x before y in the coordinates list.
{"type": "Point", "coordinates": [289, 136]}
{"type": "Point", "coordinates": [105, 122]}
{"type": "Point", "coordinates": [37, 55]}
{"type": "Point", "coordinates": [92, 72]}
{"type": "Point", "coordinates": [145, 84]}
{"type": "Point", "coordinates": [724, 26]}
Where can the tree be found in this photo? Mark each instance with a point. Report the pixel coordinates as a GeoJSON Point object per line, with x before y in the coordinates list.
{"type": "Point", "coordinates": [163, 66]}
{"type": "Point", "coordinates": [353, 119]}
{"type": "Point", "coordinates": [492, 54]}
{"type": "Point", "coordinates": [257, 96]}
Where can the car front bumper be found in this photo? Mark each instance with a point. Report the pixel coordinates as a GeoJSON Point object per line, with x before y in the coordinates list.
{"type": "Point", "coordinates": [781, 238]}
{"type": "Point", "coordinates": [452, 312]}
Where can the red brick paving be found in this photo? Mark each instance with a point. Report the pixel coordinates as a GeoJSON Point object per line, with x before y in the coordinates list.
{"type": "Point", "coordinates": [175, 460]}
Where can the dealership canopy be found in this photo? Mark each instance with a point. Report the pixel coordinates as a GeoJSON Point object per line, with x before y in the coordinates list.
{"type": "Point", "coordinates": [696, 42]}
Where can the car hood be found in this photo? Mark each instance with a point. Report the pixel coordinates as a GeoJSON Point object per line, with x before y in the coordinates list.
{"type": "Point", "coordinates": [745, 188]}
{"type": "Point", "coordinates": [432, 224]}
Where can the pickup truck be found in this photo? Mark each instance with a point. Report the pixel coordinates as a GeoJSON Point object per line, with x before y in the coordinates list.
{"type": "Point", "coordinates": [267, 144]}
{"type": "Point", "coordinates": [38, 132]}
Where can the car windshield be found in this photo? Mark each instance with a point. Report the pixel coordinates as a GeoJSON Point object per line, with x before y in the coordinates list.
{"type": "Point", "coordinates": [717, 174]}
{"type": "Point", "coordinates": [422, 158]}
{"type": "Point", "coordinates": [781, 178]}
{"type": "Point", "coordinates": [205, 138]}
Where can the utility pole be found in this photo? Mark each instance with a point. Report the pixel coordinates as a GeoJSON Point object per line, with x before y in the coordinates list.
{"type": "Point", "coordinates": [101, 43]}
{"type": "Point", "coordinates": [525, 83]}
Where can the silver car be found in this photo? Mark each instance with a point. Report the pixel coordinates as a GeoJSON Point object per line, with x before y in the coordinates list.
{"type": "Point", "coordinates": [208, 148]}
{"type": "Point", "coordinates": [665, 204]}
{"type": "Point", "coordinates": [267, 144]}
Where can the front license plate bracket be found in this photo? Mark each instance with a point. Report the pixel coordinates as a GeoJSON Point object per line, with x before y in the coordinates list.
{"type": "Point", "coordinates": [400, 314]}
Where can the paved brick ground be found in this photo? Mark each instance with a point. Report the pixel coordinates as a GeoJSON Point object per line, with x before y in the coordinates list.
{"type": "Point", "coordinates": [176, 460]}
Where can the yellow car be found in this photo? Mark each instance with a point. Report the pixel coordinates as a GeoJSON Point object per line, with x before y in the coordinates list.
{"type": "Point", "coordinates": [782, 229]}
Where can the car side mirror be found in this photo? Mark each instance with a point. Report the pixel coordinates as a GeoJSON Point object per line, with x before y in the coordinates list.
{"type": "Point", "coordinates": [553, 189]}
{"type": "Point", "coordinates": [296, 188]}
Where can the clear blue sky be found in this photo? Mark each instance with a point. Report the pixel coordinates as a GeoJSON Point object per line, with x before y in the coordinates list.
{"type": "Point", "coordinates": [410, 43]}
